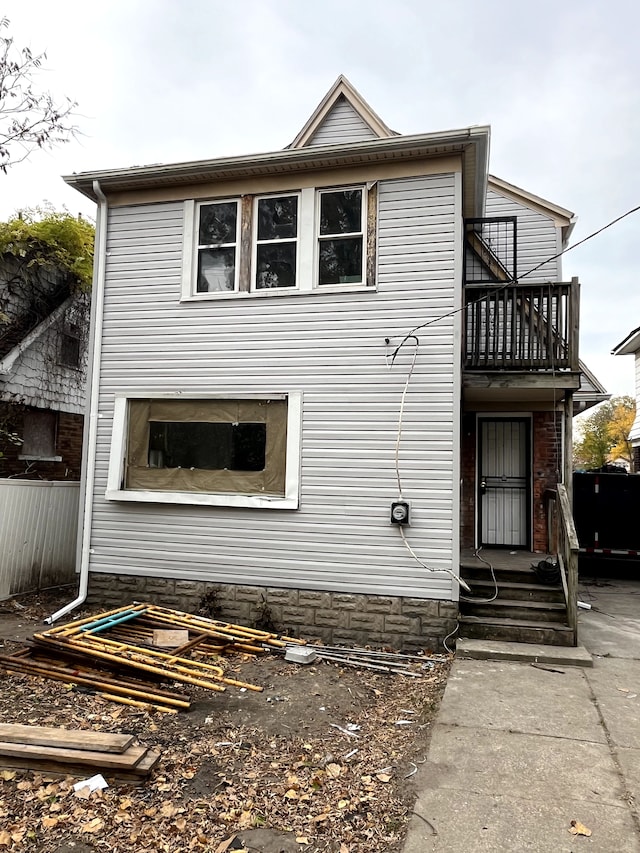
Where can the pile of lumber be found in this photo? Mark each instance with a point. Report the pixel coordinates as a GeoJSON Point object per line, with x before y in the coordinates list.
{"type": "Point", "coordinates": [75, 752]}
{"type": "Point", "coordinates": [135, 654]}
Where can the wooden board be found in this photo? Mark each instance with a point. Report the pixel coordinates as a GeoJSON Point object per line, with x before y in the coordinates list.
{"type": "Point", "coordinates": [64, 738]}
{"type": "Point", "coordinates": [97, 760]}
{"type": "Point", "coordinates": [170, 638]}
{"type": "Point", "coordinates": [134, 776]}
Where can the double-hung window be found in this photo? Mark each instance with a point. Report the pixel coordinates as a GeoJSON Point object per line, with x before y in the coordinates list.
{"type": "Point", "coordinates": [218, 225]}
{"type": "Point", "coordinates": [341, 232]}
{"type": "Point", "coordinates": [276, 253]}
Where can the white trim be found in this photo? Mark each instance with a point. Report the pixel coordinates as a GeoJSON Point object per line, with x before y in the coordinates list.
{"type": "Point", "coordinates": [320, 191]}
{"type": "Point", "coordinates": [341, 88]}
{"type": "Point", "coordinates": [307, 248]}
{"type": "Point", "coordinates": [28, 458]}
{"type": "Point", "coordinates": [253, 288]}
{"type": "Point", "coordinates": [458, 266]}
{"type": "Point", "coordinates": [188, 245]}
{"type": "Point", "coordinates": [291, 499]}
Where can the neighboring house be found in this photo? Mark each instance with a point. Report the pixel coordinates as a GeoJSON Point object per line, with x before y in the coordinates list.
{"type": "Point", "coordinates": [631, 346]}
{"type": "Point", "coordinates": [43, 364]}
{"type": "Point", "coordinates": [286, 344]}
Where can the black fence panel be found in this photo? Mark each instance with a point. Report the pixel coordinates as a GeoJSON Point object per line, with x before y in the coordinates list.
{"type": "Point", "coordinates": [606, 511]}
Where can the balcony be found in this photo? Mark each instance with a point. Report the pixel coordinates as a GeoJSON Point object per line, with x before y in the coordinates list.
{"type": "Point", "coordinates": [511, 325]}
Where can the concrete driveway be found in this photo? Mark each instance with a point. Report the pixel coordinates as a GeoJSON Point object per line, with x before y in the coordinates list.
{"type": "Point", "coordinates": [520, 750]}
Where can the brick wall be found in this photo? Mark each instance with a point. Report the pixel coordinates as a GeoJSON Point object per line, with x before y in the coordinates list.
{"type": "Point", "coordinates": [468, 484]}
{"type": "Point", "coordinates": [334, 618]}
{"type": "Point", "coordinates": [546, 471]}
{"type": "Point", "coordinates": [68, 446]}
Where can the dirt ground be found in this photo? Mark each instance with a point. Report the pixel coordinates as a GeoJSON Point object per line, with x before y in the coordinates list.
{"type": "Point", "coordinates": [321, 761]}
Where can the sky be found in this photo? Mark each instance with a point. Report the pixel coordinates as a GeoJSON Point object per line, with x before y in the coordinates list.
{"type": "Point", "coordinates": [161, 81]}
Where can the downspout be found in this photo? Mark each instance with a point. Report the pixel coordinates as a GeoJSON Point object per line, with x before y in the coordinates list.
{"type": "Point", "coordinates": [90, 433]}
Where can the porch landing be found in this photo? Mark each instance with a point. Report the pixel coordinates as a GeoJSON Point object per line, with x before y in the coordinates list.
{"type": "Point", "coordinates": [517, 607]}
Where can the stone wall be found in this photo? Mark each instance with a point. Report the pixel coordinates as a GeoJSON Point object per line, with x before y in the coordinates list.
{"type": "Point", "coordinates": [410, 624]}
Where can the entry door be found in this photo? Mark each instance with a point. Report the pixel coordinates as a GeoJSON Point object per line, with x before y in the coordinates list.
{"type": "Point", "coordinates": [503, 480]}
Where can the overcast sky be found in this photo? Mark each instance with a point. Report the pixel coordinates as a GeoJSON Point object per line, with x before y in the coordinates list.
{"type": "Point", "coordinates": [159, 81]}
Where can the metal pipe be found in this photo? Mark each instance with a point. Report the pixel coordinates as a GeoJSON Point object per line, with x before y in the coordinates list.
{"type": "Point", "coordinates": [90, 437]}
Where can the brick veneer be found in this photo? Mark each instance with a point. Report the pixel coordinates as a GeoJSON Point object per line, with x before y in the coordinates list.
{"type": "Point", "coordinates": [68, 446]}
{"type": "Point", "coordinates": [404, 623]}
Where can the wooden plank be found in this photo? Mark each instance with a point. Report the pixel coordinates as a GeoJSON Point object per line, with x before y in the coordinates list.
{"type": "Point", "coordinates": [135, 776]}
{"type": "Point", "coordinates": [65, 738]}
{"type": "Point", "coordinates": [169, 638]}
{"type": "Point", "coordinates": [86, 758]}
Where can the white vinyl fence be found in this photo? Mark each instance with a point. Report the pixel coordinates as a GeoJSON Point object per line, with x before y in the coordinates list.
{"type": "Point", "coordinates": [38, 526]}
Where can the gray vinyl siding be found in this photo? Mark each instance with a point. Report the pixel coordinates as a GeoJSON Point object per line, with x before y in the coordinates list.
{"type": "Point", "coordinates": [332, 348]}
{"type": "Point", "coordinates": [342, 124]}
{"type": "Point", "coordinates": [538, 238]}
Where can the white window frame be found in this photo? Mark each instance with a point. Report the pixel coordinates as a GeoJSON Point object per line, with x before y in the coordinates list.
{"type": "Point", "coordinates": [192, 248]}
{"type": "Point", "coordinates": [318, 239]}
{"type": "Point", "coordinates": [117, 456]}
{"type": "Point", "coordinates": [255, 243]}
{"type": "Point", "coordinates": [307, 253]}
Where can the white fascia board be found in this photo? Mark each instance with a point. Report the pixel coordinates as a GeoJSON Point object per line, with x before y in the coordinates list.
{"type": "Point", "coordinates": [630, 345]}
{"type": "Point", "coordinates": [289, 160]}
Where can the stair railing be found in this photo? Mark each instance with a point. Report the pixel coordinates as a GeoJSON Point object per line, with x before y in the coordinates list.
{"type": "Point", "coordinates": [563, 541]}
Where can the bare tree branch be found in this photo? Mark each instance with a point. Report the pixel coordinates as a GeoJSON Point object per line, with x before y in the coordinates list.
{"type": "Point", "coordinates": [29, 117]}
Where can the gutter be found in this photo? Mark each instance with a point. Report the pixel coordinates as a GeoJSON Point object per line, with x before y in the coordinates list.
{"type": "Point", "coordinates": [90, 435]}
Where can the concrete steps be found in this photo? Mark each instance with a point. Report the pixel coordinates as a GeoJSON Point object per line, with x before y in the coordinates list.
{"type": "Point", "coordinates": [524, 610]}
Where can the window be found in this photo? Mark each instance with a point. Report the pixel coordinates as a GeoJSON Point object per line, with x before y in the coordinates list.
{"type": "Point", "coordinates": [340, 237]}
{"type": "Point", "coordinates": [276, 242]}
{"type": "Point", "coordinates": [70, 349]}
{"type": "Point", "coordinates": [221, 451]}
{"type": "Point", "coordinates": [296, 242]}
{"type": "Point", "coordinates": [217, 247]}
{"type": "Point", "coordinates": [39, 435]}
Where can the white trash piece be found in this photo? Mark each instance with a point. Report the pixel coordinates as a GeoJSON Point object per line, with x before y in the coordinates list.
{"type": "Point", "coordinates": [95, 783]}
{"type": "Point", "coordinates": [298, 654]}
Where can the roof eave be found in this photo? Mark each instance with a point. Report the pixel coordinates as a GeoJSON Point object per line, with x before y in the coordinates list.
{"type": "Point", "coordinates": [472, 142]}
{"type": "Point", "coordinates": [630, 344]}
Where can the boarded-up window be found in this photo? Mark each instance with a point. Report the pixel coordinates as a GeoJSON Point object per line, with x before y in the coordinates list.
{"type": "Point", "coordinates": [70, 349]}
{"type": "Point", "coordinates": [213, 446]}
{"type": "Point", "coordinates": [39, 434]}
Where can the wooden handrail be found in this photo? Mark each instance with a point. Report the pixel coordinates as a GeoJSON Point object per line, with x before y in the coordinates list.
{"type": "Point", "coordinates": [563, 535]}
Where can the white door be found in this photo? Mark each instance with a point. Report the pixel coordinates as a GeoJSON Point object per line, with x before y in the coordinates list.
{"type": "Point", "coordinates": [503, 479]}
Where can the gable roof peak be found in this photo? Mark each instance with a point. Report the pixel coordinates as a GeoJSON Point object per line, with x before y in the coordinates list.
{"type": "Point", "coordinates": [342, 88]}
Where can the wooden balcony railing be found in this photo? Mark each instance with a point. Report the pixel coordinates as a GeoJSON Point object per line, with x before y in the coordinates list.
{"type": "Point", "coordinates": [522, 326]}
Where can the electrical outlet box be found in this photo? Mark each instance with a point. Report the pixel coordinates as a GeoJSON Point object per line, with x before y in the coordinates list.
{"type": "Point", "coordinates": [400, 512]}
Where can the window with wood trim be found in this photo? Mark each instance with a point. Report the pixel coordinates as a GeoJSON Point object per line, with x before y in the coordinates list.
{"type": "Point", "coordinates": [210, 446]}
{"type": "Point", "coordinates": [276, 242]}
{"type": "Point", "coordinates": [313, 239]}
{"type": "Point", "coordinates": [341, 230]}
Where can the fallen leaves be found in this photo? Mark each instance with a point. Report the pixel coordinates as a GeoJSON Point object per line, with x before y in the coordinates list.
{"type": "Point", "coordinates": [578, 828]}
{"type": "Point", "coordinates": [219, 779]}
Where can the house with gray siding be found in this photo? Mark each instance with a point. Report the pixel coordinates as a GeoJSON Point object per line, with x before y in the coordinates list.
{"type": "Point", "coordinates": [319, 374]}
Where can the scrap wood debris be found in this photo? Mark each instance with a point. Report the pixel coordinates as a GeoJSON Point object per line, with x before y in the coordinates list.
{"type": "Point", "coordinates": [68, 752]}
{"type": "Point", "coordinates": [122, 654]}
{"type": "Point", "coordinates": [235, 765]}
{"type": "Point", "coordinates": [125, 654]}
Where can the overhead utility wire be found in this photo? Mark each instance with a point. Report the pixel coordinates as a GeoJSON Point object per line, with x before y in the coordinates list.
{"type": "Point", "coordinates": [455, 311]}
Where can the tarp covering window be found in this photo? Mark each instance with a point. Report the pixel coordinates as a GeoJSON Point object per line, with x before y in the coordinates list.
{"type": "Point", "coordinates": [211, 446]}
